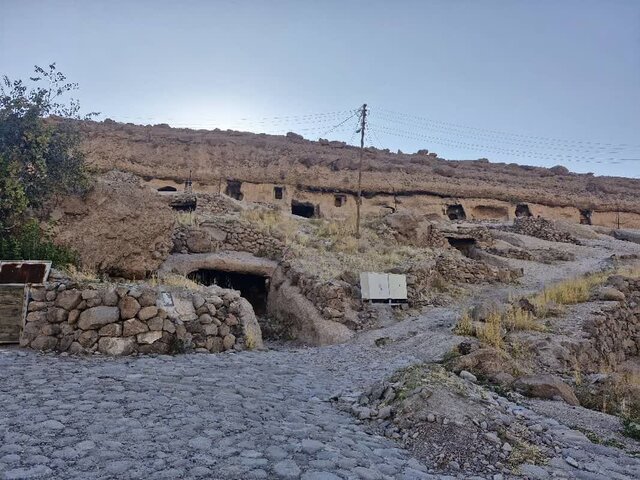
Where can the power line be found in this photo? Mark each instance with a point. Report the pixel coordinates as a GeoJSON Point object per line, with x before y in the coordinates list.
{"type": "Point", "coordinates": [499, 132]}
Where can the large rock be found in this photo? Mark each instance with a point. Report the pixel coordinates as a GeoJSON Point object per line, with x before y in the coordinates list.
{"type": "Point", "coordinates": [149, 337]}
{"type": "Point", "coordinates": [146, 313]}
{"type": "Point", "coordinates": [133, 327]}
{"type": "Point", "coordinates": [250, 327]}
{"type": "Point", "coordinates": [129, 307]}
{"type": "Point", "coordinates": [198, 241]}
{"type": "Point", "coordinates": [547, 387]}
{"type": "Point", "coordinates": [69, 299]}
{"type": "Point", "coordinates": [97, 317]}
{"type": "Point", "coordinates": [117, 346]}
{"type": "Point", "coordinates": [44, 343]}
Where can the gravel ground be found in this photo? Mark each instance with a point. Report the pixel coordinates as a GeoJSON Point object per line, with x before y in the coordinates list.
{"type": "Point", "coordinates": [240, 416]}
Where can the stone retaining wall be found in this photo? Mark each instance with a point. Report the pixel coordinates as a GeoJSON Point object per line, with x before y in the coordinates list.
{"type": "Point", "coordinates": [614, 333]}
{"type": "Point", "coordinates": [127, 319]}
{"type": "Point", "coordinates": [226, 233]}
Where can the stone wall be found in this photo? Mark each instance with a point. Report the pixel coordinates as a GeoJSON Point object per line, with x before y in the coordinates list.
{"type": "Point", "coordinates": [334, 299]}
{"type": "Point", "coordinates": [126, 319]}
{"type": "Point", "coordinates": [614, 332]}
{"type": "Point", "coordinates": [540, 228]}
{"type": "Point", "coordinates": [226, 233]}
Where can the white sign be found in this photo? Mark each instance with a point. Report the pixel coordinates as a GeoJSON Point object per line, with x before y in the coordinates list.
{"type": "Point", "coordinates": [384, 287]}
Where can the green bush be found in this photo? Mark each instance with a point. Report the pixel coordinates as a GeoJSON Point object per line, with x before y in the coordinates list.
{"type": "Point", "coordinates": [31, 243]}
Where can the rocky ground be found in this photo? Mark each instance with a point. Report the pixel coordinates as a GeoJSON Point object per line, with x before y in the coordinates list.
{"type": "Point", "coordinates": [289, 412]}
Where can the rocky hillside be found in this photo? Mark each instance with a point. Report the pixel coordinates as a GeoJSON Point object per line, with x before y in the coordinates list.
{"type": "Point", "coordinates": [169, 153]}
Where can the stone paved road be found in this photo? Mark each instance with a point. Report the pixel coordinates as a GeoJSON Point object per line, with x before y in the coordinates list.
{"type": "Point", "coordinates": [227, 416]}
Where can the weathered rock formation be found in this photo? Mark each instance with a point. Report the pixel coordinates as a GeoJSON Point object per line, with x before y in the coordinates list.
{"type": "Point", "coordinates": [295, 164]}
{"type": "Point", "coordinates": [120, 227]}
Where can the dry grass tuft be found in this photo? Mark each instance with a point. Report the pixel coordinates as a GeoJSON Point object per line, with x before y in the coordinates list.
{"type": "Point", "coordinates": [174, 280]}
{"type": "Point", "coordinates": [464, 326]}
{"type": "Point", "coordinates": [187, 219]}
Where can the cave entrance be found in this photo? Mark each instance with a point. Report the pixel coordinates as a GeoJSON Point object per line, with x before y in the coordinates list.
{"type": "Point", "coordinates": [254, 288]}
{"type": "Point", "coordinates": [278, 193]}
{"type": "Point", "coordinates": [464, 245]}
{"type": "Point", "coordinates": [339, 200]}
{"type": "Point", "coordinates": [456, 212]}
{"type": "Point", "coordinates": [167, 188]}
{"type": "Point", "coordinates": [234, 189]}
{"type": "Point", "coordinates": [585, 217]}
{"type": "Point", "coordinates": [303, 209]}
{"type": "Point", "coordinates": [522, 210]}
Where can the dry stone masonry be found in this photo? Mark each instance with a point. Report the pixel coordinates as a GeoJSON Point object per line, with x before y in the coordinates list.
{"type": "Point", "coordinates": [128, 319]}
{"type": "Point", "coordinates": [540, 228]}
{"type": "Point", "coordinates": [226, 233]}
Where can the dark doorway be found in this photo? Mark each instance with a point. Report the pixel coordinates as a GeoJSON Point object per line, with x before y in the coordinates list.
{"type": "Point", "coordinates": [234, 189]}
{"type": "Point", "coordinates": [456, 212]}
{"type": "Point", "coordinates": [252, 287]}
{"type": "Point", "coordinates": [522, 210]}
{"type": "Point", "coordinates": [168, 188]}
{"type": "Point", "coordinates": [303, 209]}
{"type": "Point", "coordinates": [278, 192]}
{"type": "Point", "coordinates": [463, 245]}
{"type": "Point", "coordinates": [339, 200]}
{"type": "Point", "coordinates": [585, 217]}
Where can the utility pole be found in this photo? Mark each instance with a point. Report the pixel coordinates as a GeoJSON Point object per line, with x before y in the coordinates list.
{"type": "Point", "coordinates": [363, 123]}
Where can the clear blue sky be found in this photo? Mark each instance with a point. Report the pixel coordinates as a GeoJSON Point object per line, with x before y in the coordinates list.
{"type": "Point", "coordinates": [555, 79]}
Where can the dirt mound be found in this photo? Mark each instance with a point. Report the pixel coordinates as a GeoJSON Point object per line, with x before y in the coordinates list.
{"type": "Point", "coordinates": [119, 227]}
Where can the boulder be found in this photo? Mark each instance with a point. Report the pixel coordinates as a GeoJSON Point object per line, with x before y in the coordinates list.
{"type": "Point", "coordinates": [44, 342]}
{"type": "Point", "coordinates": [97, 317]}
{"type": "Point", "coordinates": [129, 307]}
{"type": "Point", "coordinates": [198, 241]}
{"type": "Point", "coordinates": [610, 294]}
{"type": "Point", "coordinates": [57, 315]}
{"type": "Point", "coordinates": [146, 313]}
{"type": "Point", "coordinates": [88, 338]}
{"type": "Point", "coordinates": [486, 362]}
{"type": "Point", "coordinates": [548, 387]}
{"type": "Point", "coordinates": [111, 330]}
{"type": "Point", "coordinates": [147, 299]}
{"type": "Point", "coordinates": [149, 337]}
{"type": "Point", "coordinates": [117, 346]}
{"type": "Point", "coordinates": [133, 327]}
{"type": "Point", "coordinates": [69, 299]}
{"type": "Point", "coordinates": [110, 297]}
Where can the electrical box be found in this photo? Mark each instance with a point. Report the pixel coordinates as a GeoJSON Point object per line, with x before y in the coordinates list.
{"type": "Point", "coordinates": [383, 287]}
{"type": "Point", "coordinates": [397, 287]}
{"type": "Point", "coordinates": [374, 286]}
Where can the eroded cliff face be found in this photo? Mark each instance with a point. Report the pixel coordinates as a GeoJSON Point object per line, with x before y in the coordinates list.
{"type": "Point", "coordinates": [160, 152]}
{"type": "Point", "coordinates": [119, 227]}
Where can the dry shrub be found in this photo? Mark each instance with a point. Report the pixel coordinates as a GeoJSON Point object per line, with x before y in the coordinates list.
{"type": "Point", "coordinates": [187, 219]}
{"type": "Point", "coordinates": [491, 332]}
{"type": "Point", "coordinates": [568, 292]}
{"type": "Point", "coordinates": [464, 326]}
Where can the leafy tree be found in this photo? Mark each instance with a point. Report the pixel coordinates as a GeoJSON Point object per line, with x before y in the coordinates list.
{"type": "Point", "coordinates": [39, 144]}
{"type": "Point", "coordinates": [40, 154]}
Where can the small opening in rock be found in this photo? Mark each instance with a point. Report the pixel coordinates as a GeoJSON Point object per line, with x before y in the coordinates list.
{"type": "Point", "coordinates": [303, 209]}
{"type": "Point", "coordinates": [278, 193]}
{"type": "Point", "coordinates": [463, 245]}
{"type": "Point", "coordinates": [456, 212]}
{"type": "Point", "coordinates": [522, 210]}
{"type": "Point", "coordinates": [234, 189]}
{"type": "Point", "coordinates": [167, 188]}
{"type": "Point", "coordinates": [585, 217]}
{"type": "Point", "coordinates": [339, 200]}
{"type": "Point", "coordinates": [254, 288]}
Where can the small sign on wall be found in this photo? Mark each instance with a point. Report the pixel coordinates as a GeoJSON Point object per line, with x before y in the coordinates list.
{"type": "Point", "coordinates": [167, 299]}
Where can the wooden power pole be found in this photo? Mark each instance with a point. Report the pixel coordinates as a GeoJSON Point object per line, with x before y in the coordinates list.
{"type": "Point", "coordinates": [363, 123]}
